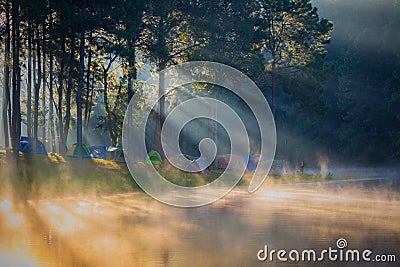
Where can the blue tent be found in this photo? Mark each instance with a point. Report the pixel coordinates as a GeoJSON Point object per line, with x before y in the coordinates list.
{"type": "Point", "coordinates": [26, 145]}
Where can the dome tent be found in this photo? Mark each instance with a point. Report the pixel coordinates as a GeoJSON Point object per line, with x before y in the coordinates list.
{"type": "Point", "coordinates": [73, 151]}
{"type": "Point", "coordinates": [153, 157]}
{"type": "Point", "coordinates": [26, 145]}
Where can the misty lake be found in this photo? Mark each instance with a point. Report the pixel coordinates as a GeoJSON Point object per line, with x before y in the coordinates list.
{"type": "Point", "coordinates": [135, 230]}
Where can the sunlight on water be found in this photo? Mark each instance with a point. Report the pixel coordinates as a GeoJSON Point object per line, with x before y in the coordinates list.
{"type": "Point", "coordinates": [17, 258]}
{"type": "Point", "coordinates": [15, 250]}
{"type": "Point", "coordinates": [134, 230]}
{"type": "Point", "coordinates": [60, 219]}
{"type": "Point", "coordinates": [12, 219]}
{"type": "Point", "coordinates": [276, 195]}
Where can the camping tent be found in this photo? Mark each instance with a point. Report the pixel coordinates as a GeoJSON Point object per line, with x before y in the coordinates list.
{"type": "Point", "coordinates": [237, 162]}
{"type": "Point", "coordinates": [153, 157]}
{"type": "Point", "coordinates": [73, 151]}
{"type": "Point", "coordinates": [253, 159]}
{"type": "Point", "coordinates": [99, 152]}
{"type": "Point", "coordinates": [26, 145]}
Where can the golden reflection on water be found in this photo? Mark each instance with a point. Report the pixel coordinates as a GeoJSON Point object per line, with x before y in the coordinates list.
{"type": "Point", "coordinates": [16, 258]}
{"type": "Point", "coordinates": [134, 230]}
{"type": "Point", "coordinates": [11, 219]}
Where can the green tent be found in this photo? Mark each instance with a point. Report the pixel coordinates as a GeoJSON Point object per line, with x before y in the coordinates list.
{"type": "Point", "coordinates": [73, 151]}
{"type": "Point", "coordinates": [153, 157]}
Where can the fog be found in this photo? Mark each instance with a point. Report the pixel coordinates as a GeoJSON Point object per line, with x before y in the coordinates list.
{"type": "Point", "coordinates": [134, 230]}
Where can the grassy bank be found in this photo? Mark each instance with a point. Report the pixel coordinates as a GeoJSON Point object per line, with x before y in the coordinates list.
{"type": "Point", "coordinates": [41, 176]}
{"type": "Point", "coordinates": [301, 178]}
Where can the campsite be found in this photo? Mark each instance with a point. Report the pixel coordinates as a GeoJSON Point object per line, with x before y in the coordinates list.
{"type": "Point", "coordinates": [175, 133]}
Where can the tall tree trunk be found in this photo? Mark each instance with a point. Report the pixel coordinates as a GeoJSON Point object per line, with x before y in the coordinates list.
{"type": "Point", "coordinates": [105, 99]}
{"type": "Point", "coordinates": [37, 90]}
{"type": "Point", "coordinates": [161, 64]}
{"type": "Point", "coordinates": [161, 108]}
{"type": "Point", "coordinates": [29, 85]}
{"type": "Point", "coordinates": [51, 105]}
{"type": "Point", "coordinates": [114, 130]}
{"type": "Point", "coordinates": [6, 78]}
{"type": "Point", "coordinates": [131, 78]}
{"type": "Point", "coordinates": [213, 40]}
{"type": "Point", "coordinates": [87, 96]}
{"type": "Point", "coordinates": [273, 84]}
{"type": "Point", "coordinates": [68, 99]}
{"type": "Point", "coordinates": [90, 100]}
{"type": "Point", "coordinates": [60, 127]}
{"type": "Point", "coordinates": [79, 93]}
{"type": "Point", "coordinates": [51, 91]}
{"type": "Point", "coordinates": [132, 69]}
{"type": "Point", "coordinates": [44, 77]}
{"type": "Point", "coordinates": [108, 119]}
{"type": "Point", "coordinates": [16, 109]}
{"type": "Point", "coordinates": [34, 65]}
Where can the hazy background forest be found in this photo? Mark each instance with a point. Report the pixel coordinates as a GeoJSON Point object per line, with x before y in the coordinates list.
{"type": "Point", "coordinates": [331, 76]}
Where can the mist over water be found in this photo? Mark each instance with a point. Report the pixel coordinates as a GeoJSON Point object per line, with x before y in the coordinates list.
{"type": "Point", "coordinates": [135, 230]}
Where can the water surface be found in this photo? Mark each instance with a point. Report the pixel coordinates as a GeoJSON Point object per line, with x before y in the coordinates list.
{"type": "Point", "coordinates": [135, 230]}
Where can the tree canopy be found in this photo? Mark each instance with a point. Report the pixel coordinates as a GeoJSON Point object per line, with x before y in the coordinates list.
{"type": "Point", "coordinates": [71, 67]}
